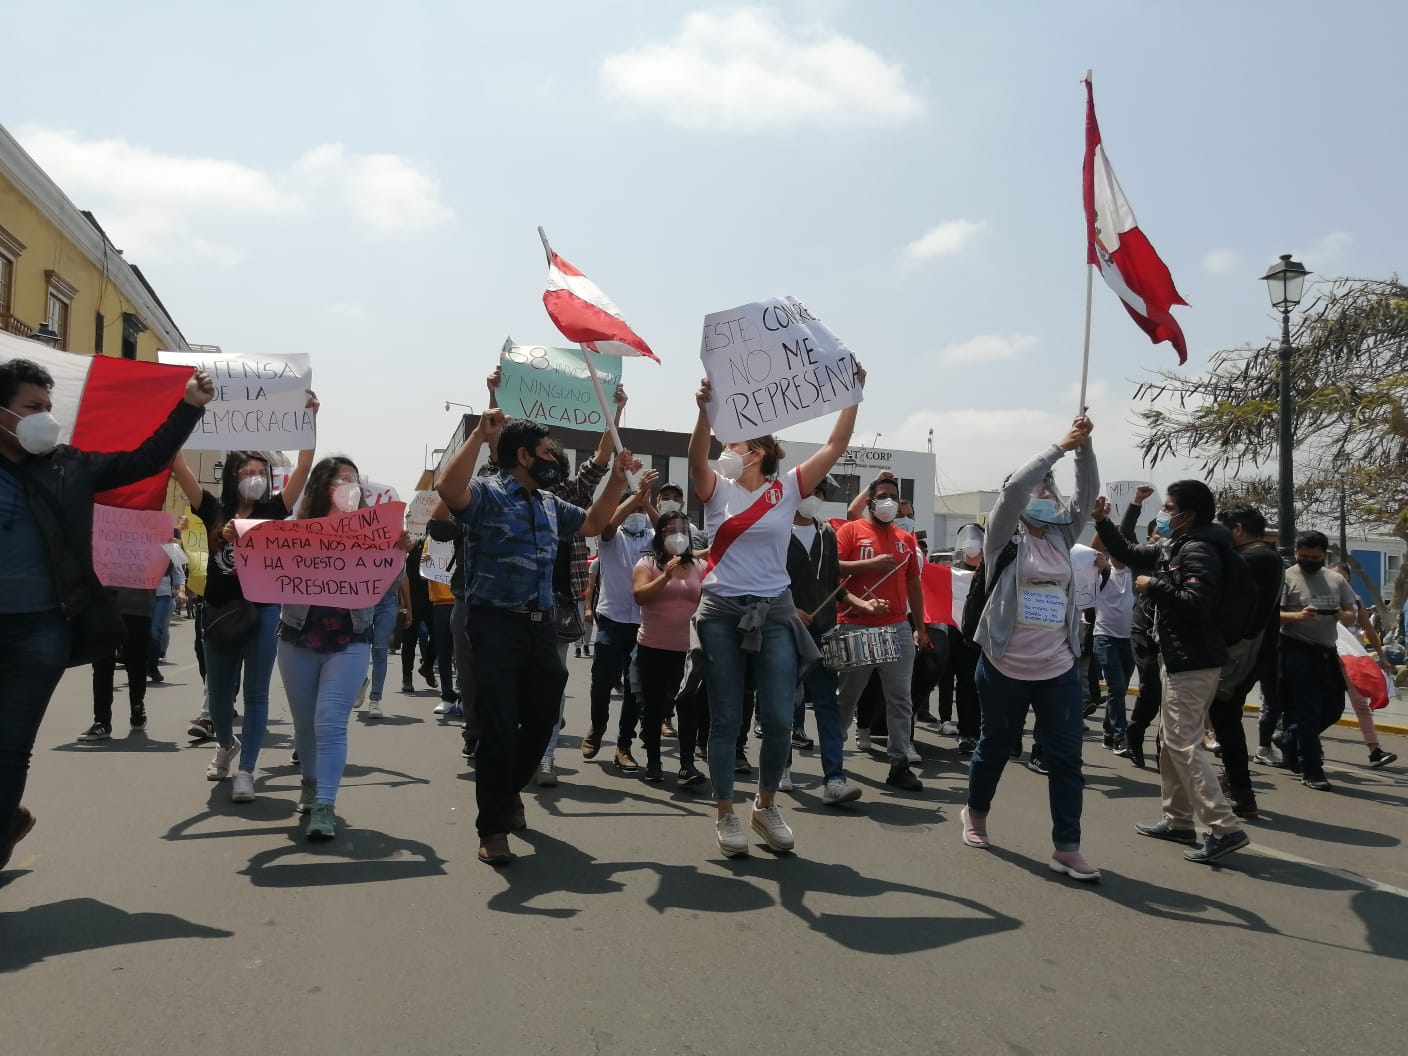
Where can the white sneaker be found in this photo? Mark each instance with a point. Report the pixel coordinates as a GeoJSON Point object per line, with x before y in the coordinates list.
{"type": "Point", "coordinates": [219, 767]}
{"type": "Point", "coordinates": [949, 729]}
{"type": "Point", "coordinates": [838, 790]}
{"type": "Point", "coordinates": [785, 784]}
{"type": "Point", "coordinates": [242, 789]}
{"type": "Point", "coordinates": [1269, 756]}
{"type": "Point", "coordinates": [732, 841]}
{"type": "Point", "coordinates": [374, 711]}
{"type": "Point", "coordinates": [442, 709]}
{"type": "Point", "coordinates": [362, 693]}
{"type": "Point", "coordinates": [863, 740]}
{"type": "Point", "coordinates": [912, 756]}
{"type": "Point", "coordinates": [768, 823]}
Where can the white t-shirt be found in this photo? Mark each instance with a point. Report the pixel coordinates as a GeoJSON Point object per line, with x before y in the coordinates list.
{"type": "Point", "coordinates": [616, 558]}
{"type": "Point", "coordinates": [805, 534]}
{"type": "Point", "coordinates": [755, 562]}
{"type": "Point", "coordinates": [1114, 604]}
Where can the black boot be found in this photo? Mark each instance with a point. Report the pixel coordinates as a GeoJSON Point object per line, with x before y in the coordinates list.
{"type": "Point", "coordinates": [1134, 742]}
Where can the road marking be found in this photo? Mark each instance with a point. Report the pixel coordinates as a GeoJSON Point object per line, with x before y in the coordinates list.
{"type": "Point", "coordinates": [1341, 874]}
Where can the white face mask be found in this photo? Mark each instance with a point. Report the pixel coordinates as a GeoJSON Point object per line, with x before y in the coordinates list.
{"type": "Point", "coordinates": [347, 497]}
{"type": "Point", "coordinates": [676, 543]}
{"type": "Point", "coordinates": [36, 433]}
{"type": "Point", "coordinates": [809, 507]}
{"type": "Point", "coordinates": [667, 506]}
{"type": "Point", "coordinates": [885, 510]}
{"type": "Point", "coordinates": [253, 488]}
{"type": "Point", "coordinates": [730, 464]}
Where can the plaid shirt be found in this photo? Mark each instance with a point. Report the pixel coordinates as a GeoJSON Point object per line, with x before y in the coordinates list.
{"type": "Point", "coordinates": [580, 491]}
{"type": "Point", "coordinates": [513, 535]}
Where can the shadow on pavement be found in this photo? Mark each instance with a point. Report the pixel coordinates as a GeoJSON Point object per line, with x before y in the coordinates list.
{"type": "Point", "coordinates": [355, 856]}
{"type": "Point", "coordinates": [33, 935]}
{"type": "Point", "coordinates": [623, 792]}
{"type": "Point", "coordinates": [1324, 831]}
{"type": "Point", "coordinates": [136, 741]}
{"type": "Point", "coordinates": [390, 720]}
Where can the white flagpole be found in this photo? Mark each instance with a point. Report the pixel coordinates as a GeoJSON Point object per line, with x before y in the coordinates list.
{"type": "Point", "coordinates": [1089, 286]}
{"type": "Point", "coordinates": [606, 408]}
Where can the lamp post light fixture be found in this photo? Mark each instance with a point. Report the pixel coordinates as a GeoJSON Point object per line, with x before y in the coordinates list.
{"type": "Point", "coordinates": [46, 335]}
{"type": "Point", "coordinates": [452, 403]}
{"type": "Point", "coordinates": [1285, 282]}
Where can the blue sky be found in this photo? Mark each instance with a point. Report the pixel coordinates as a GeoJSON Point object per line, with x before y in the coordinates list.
{"type": "Point", "coordinates": [363, 181]}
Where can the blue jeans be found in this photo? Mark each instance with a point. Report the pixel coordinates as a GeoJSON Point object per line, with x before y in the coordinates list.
{"type": "Point", "coordinates": [615, 648]}
{"type": "Point", "coordinates": [223, 679]}
{"type": "Point", "coordinates": [160, 630]}
{"type": "Point", "coordinates": [321, 688]}
{"type": "Point", "coordinates": [384, 619]}
{"type": "Point", "coordinates": [775, 674]}
{"type": "Point", "coordinates": [33, 654]}
{"type": "Point", "coordinates": [1116, 657]}
{"type": "Point", "coordinates": [1311, 692]}
{"type": "Point", "coordinates": [1057, 703]}
{"type": "Point", "coordinates": [819, 683]}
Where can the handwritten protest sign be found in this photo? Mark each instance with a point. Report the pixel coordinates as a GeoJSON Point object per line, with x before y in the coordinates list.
{"type": "Point", "coordinates": [772, 364]}
{"type": "Point", "coordinates": [1121, 494]}
{"type": "Point", "coordinates": [553, 386]}
{"type": "Point", "coordinates": [348, 560]}
{"type": "Point", "coordinates": [259, 402]}
{"type": "Point", "coordinates": [196, 544]}
{"type": "Point", "coordinates": [128, 546]}
{"type": "Point", "coordinates": [374, 494]}
{"type": "Point", "coordinates": [436, 564]}
{"type": "Point", "coordinates": [419, 511]}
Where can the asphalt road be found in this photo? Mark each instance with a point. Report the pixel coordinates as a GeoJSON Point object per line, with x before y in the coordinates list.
{"type": "Point", "coordinates": [149, 913]}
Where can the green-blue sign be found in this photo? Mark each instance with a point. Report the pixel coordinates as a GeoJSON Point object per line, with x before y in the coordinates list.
{"type": "Point", "coordinates": [553, 386]}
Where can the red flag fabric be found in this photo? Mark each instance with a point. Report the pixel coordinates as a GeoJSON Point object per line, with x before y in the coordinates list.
{"type": "Point", "coordinates": [1361, 669]}
{"type": "Point", "coordinates": [584, 314]}
{"type": "Point", "coordinates": [937, 582]}
{"type": "Point", "coordinates": [1126, 259]}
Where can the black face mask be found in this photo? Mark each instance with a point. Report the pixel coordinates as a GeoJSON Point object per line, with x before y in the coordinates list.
{"type": "Point", "coordinates": [545, 472]}
{"type": "Point", "coordinates": [1308, 566]}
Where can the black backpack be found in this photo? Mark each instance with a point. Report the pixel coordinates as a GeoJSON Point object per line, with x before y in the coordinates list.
{"type": "Point", "coordinates": [1237, 615]}
{"type": "Point", "coordinates": [981, 589]}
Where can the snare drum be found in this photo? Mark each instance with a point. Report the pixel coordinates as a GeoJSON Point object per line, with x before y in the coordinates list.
{"type": "Point", "coordinates": [846, 648]}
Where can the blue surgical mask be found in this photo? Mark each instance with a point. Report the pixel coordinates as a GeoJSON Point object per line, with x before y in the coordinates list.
{"type": "Point", "coordinates": [635, 524]}
{"type": "Point", "coordinates": [1163, 524]}
{"type": "Point", "coordinates": [1046, 511]}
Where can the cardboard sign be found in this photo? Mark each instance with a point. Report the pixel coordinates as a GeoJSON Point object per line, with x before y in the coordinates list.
{"type": "Point", "coordinates": [435, 563]}
{"type": "Point", "coordinates": [419, 511]}
{"type": "Point", "coordinates": [196, 543]}
{"type": "Point", "coordinates": [772, 364]}
{"type": "Point", "coordinates": [347, 561]}
{"type": "Point", "coordinates": [553, 386]}
{"type": "Point", "coordinates": [1121, 494]}
{"type": "Point", "coordinates": [259, 405]}
{"type": "Point", "coordinates": [128, 546]}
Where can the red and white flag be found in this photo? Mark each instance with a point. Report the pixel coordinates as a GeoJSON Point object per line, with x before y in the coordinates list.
{"type": "Point", "coordinates": [587, 316]}
{"type": "Point", "coordinates": [1362, 670]}
{"type": "Point", "coordinates": [107, 404]}
{"type": "Point", "coordinates": [1127, 261]}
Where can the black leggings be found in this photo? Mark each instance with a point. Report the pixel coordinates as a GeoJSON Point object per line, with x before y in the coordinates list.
{"type": "Point", "coordinates": [661, 671]}
{"type": "Point", "coordinates": [134, 662]}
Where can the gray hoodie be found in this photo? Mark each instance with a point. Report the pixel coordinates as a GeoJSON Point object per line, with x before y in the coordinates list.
{"type": "Point", "coordinates": [1000, 615]}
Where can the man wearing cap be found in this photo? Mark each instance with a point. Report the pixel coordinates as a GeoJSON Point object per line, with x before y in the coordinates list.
{"type": "Point", "coordinates": [670, 499]}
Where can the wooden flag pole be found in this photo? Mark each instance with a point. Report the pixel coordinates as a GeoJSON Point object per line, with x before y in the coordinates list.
{"type": "Point", "coordinates": [606, 409]}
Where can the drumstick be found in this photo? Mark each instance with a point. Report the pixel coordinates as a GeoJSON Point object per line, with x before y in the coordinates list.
{"type": "Point", "coordinates": [842, 586]}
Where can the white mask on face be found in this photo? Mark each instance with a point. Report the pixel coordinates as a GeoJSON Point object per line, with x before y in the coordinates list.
{"type": "Point", "coordinates": [36, 433]}
{"type": "Point", "coordinates": [809, 507]}
{"type": "Point", "coordinates": [676, 543]}
{"type": "Point", "coordinates": [885, 510]}
{"type": "Point", "coordinates": [253, 488]}
{"type": "Point", "coordinates": [347, 497]}
{"type": "Point", "coordinates": [730, 464]}
{"type": "Point", "coordinates": [667, 506]}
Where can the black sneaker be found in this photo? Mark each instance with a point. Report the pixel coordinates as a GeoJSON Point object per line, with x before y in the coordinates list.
{"type": "Point", "coordinates": [801, 741]}
{"type": "Point", "coordinates": [1120, 747]}
{"type": "Point", "coordinates": [428, 673]}
{"type": "Point", "coordinates": [741, 765]}
{"type": "Point", "coordinates": [901, 776]}
{"type": "Point", "coordinates": [1037, 765]}
{"type": "Point", "coordinates": [1162, 830]}
{"type": "Point", "coordinates": [138, 717]}
{"type": "Point", "coordinates": [1215, 847]}
{"type": "Point", "coordinates": [653, 773]}
{"type": "Point", "coordinates": [154, 675]}
{"type": "Point", "coordinates": [1134, 742]}
{"type": "Point", "coordinates": [690, 777]}
{"type": "Point", "coordinates": [1317, 782]}
{"type": "Point", "coordinates": [966, 745]}
{"type": "Point", "coordinates": [471, 746]}
{"type": "Point", "coordinates": [99, 731]}
{"type": "Point", "coordinates": [1091, 708]}
{"type": "Point", "coordinates": [1378, 757]}
{"type": "Point", "coordinates": [1108, 741]}
{"type": "Point", "coordinates": [408, 687]}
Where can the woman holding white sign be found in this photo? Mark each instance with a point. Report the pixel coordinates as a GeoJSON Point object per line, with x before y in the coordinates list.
{"type": "Point", "coordinates": [239, 635]}
{"type": "Point", "coordinates": [746, 614]}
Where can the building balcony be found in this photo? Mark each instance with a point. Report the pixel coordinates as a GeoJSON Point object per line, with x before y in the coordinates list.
{"type": "Point", "coordinates": [13, 324]}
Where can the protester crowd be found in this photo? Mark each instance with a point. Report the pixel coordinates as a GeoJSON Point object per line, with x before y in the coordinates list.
{"type": "Point", "coordinates": [709, 633]}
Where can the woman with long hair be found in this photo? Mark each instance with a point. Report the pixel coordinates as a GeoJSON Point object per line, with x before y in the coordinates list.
{"type": "Point", "coordinates": [246, 493]}
{"type": "Point", "coordinates": [746, 614]}
{"type": "Point", "coordinates": [323, 656]}
{"type": "Point", "coordinates": [667, 583]}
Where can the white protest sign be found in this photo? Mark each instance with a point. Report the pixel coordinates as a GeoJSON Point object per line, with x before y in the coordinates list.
{"type": "Point", "coordinates": [435, 564]}
{"type": "Point", "coordinates": [772, 364]}
{"type": "Point", "coordinates": [1121, 494]}
{"type": "Point", "coordinates": [1087, 577]}
{"type": "Point", "coordinates": [375, 494]}
{"type": "Point", "coordinates": [259, 404]}
{"type": "Point", "coordinates": [554, 386]}
{"type": "Point", "coordinates": [419, 510]}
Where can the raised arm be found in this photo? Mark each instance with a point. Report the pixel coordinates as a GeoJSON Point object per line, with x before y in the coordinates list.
{"type": "Point", "coordinates": [453, 483]}
{"type": "Point", "coordinates": [1087, 481]}
{"type": "Point", "coordinates": [601, 511]}
{"type": "Point", "coordinates": [701, 474]}
{"type": "Point", "coordinates": [120, 468]}
{"type": "Point", "coordinates": [293, 487]}
{"type": "Point", "coordinates": [1141, 558]}
{"type": "Point", "coordinates": [814, 469]}
{"type": "Point", "coordinates": [186, 481]}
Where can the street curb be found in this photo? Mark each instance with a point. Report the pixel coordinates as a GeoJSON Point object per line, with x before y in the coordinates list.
{"type": "Point", "coordinates": [1350, 724]}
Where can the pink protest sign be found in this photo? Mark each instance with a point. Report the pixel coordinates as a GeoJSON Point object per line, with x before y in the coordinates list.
{"type": "Point", "coordinates": [348, 560]}
{"type": "Point", "coordinates": [127, 546]}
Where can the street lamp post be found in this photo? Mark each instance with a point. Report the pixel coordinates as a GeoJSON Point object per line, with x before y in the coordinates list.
{"type": "Point", "coordinates": [1285, 280]}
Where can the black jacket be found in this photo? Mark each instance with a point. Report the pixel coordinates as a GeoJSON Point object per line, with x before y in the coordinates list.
{"type": "Point", "coordinates": [814, 575]}
{"type": "Point", "coordinates": [1268, 573]}
{"type": "Point", "coordinates": [60, 487]}
{"type": "Point", "coordinates": [1186, 590]}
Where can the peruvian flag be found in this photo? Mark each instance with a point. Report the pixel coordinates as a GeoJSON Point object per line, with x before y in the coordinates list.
{"type": "Point", "coordinates": [1363, 672]}
{"type": "Point", "coordinates": [1119, 249]}
{"type": "Point", "coordinates": [107, 404]}
{"type": "Point", "coordinates": [586, 315]}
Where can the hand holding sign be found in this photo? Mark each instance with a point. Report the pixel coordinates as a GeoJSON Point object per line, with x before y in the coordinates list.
{"type": "Point", "coordinates": [348, 560]}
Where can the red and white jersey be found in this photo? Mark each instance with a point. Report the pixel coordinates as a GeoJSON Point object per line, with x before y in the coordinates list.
{"type": "Point", "coordinates": [861, 540]}
{"type": "Point", "coordinates": [749, 533]}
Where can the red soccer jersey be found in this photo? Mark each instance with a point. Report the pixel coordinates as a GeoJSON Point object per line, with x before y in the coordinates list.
{"type": "Point", "coordinates": [862, 539]}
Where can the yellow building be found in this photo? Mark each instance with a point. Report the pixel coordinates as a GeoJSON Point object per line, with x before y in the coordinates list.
{"type": "Point", "coordinates": [59, 269]}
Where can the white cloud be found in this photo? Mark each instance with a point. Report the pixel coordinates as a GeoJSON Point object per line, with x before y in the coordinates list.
{"type": "Point", "coordinates": [1221, 261]}
{"type": "Point", "coordinates": [747, 71]}
{"type": "Point", "coordinates": [988, 348]}
{"type": "Point", "coordinates": [1328, 249]}
{"type": "Point", "coordinates": [387, 192]}
{"type": "Point", "coordinates": [945, 239]}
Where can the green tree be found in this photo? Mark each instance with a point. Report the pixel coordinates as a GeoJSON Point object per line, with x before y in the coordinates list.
{"type": "Point", "coordinates": [1349, 381]}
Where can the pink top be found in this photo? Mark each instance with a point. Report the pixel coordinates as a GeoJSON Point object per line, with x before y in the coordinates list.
{"type": "Point", "coordinates": [664, 622]}
{"type": "Point", "coordinates": [1038, 648]}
